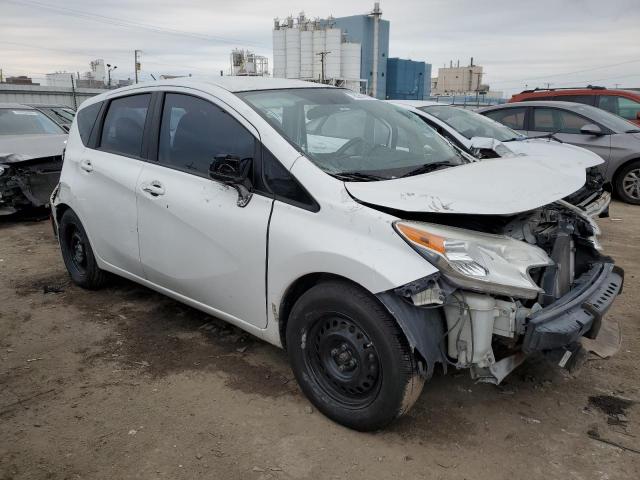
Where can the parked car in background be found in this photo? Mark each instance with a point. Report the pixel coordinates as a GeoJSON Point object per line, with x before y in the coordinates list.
{"type": "Point", "coordinates": [613, 138]}
{"type": "Point", "coordinates": [61, 114]}
{"type": "Point", "coordinates": [31, 148]}
{"type": "Point", "coordinates": [624, 103]}
{"type": "Point", "coordinates": [485, 138]}
{"type": "Point", "coordinates": [337, 226]}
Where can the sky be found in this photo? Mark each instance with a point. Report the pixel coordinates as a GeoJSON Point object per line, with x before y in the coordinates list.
{"type": "Point", "coordinates": [519, 43]}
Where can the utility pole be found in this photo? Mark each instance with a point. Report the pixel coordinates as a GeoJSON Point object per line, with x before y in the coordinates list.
{"type": "Point", "coordinates": [73, 91]}
{"type": "Point", "coordinates": [136, 64]}
{"type": "Point", "coordinates": [548, 86]}
{"type": "Point", "coordinates": [322, 58]}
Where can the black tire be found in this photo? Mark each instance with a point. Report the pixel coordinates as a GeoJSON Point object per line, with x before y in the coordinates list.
{"type": "Point", "coordinates": [627, 183]}
{"type": "Point", "coordinates": [77, 253]}
{"type": "Point", "coordinates": [365, 385]}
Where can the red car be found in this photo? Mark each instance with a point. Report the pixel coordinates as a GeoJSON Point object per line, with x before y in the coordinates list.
{"type": "Point", "coordinates": [625, 103]}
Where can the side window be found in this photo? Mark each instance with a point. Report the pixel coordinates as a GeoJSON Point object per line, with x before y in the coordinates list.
{"type": "Point", "coordinates": [86, 118]}
{"type": "Point", "coordinates": [193, 131]}
{"type": "Point", "coordinates": [124, 125]}
{"type": "Point", "coordinates": [511, 117]}
{"type": "Point", "coordinates": [608, 103]}
{"type": "Point", "coordinates": [628, 108]}
{"type": "Point", "coordinates": [553, 120]}
{"type": "Point", "coordinates": [282, 184]}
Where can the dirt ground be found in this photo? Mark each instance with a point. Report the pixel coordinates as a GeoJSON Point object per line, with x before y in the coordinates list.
{"type": "Point", "coordinates": [124, 383]}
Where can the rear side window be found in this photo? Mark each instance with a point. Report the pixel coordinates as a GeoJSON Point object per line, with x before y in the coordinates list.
{"type": "Point", "coordinates": [124, 125]}
{"type": "Point", "coordinates": [586, 99]}
{"type": "Point", "coordinates": [194, 131]}
{"type": "Point", "coordinates": [511, 117]}
{"type": "Point", "coordinates": [86, 119]}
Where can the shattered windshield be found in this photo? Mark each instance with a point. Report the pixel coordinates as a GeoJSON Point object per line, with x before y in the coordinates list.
{"type": "Point", "coordinates": [15, 121]}
{"type": "Point", "coordinates": [352, 136]}
{"type": "Point", "coordinates": [471, 124]}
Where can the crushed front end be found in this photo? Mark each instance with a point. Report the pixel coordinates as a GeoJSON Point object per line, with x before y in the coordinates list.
{"type": "Point", "coordinates": [27, 183]}
{"type": "Point", "coordinates": [508, 286]}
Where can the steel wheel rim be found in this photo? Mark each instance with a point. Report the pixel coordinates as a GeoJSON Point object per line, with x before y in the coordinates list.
{"type": "Point", "coordinates": [631, 183]}
{"type": "Point", "coordinates": [343, 360]}
{"type": "Point", "coordinates": [77, 250]}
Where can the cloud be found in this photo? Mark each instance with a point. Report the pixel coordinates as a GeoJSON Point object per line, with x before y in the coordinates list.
{"type": "Point", "coordinates": [518, 43]}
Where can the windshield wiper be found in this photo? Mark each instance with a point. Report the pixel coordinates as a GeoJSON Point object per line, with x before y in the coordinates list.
{"type": "Point", "coordinates": [357, 177]}
{"type": "Point", "coordinates": [550, 136]}
{"type": "Point", "coordinates": [429, 167]}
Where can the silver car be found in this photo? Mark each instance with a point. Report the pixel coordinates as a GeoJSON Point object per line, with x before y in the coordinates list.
{"type": "Point", "coordinates": [616, 140]}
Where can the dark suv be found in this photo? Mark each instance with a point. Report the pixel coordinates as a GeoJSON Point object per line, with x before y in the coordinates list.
{"type": "Point", "coordinates": [625, 103]}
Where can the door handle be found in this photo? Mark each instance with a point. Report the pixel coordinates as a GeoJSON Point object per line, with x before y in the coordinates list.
{"type": "Point", "coordinates": [153, 188]}
{"type": "Point", "coordinates": [86, 165]}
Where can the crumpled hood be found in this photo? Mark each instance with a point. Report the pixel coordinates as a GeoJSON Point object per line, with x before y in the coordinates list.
{"type": "Point", "coordinates": [553, 149]}
{"type": "Point", "coordinates": [18, 148]}
{"type": "Point", "coordinates": [500, 186]}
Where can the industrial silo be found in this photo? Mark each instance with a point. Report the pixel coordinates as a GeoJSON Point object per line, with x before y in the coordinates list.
{"type": "Point", "coordinates": [333, 46]}
{"type": "Point", "coordinates": [292, 43]}
{"type": "Point", "coordinates": [306, 54]}
{"type": "Point", "coordinates": [318, 46]}
{"type": "Point", "coordinates": [279, 53]}
{"type": "Point", "coordinates": [350, 65]}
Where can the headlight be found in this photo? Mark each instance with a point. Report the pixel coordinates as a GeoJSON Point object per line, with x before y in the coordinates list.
{"type": "Point", "coordinates": [477, 261]}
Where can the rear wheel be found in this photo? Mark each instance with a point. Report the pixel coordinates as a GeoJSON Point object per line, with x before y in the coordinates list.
{"type": "Point", "coordinates": [350, 357]}
{"type": "Point", "coordinates": [77, 253]}
{"type": "Point", "coordinates": [627, 183]}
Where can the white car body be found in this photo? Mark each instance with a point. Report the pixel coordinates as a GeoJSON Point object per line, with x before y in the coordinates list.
{"type": "Point", "coordinates": [189, 238]}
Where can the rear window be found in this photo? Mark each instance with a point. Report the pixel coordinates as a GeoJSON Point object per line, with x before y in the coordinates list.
{"type": "Point", "coordinates": [86, 119]}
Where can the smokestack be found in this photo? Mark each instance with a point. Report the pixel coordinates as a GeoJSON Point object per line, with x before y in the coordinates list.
{"type": "Point", "coordinates": [376, 14]}
{"type": "Point", "coordinates": [472, 61]}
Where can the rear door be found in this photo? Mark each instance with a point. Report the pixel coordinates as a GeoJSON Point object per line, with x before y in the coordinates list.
{"type": "Point", "coordinates": [566, 126]}
{"type": "Point", "coordinates": [106, 188]}
{"type": "Point", "coordinates": [194, 238]}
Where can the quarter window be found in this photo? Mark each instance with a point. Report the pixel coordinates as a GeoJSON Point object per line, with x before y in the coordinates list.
{"type": "Point", "coordinates": [560, 121]}
{"type": "Point", "coordinates": [124, 125]}
{"type": "Point", "coordinates": [193, 132]}
{"type": "Point", "coordinates": [86, 118]}
{"type": "Point", "coordinates": [511, 117]}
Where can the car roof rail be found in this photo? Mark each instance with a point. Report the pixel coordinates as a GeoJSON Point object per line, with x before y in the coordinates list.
{"type": "Point", "coordinates": [588, 87]}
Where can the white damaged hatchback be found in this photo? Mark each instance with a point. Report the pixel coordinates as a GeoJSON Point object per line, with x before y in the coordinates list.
{"type": "Point", "coordinates": [339, 227]}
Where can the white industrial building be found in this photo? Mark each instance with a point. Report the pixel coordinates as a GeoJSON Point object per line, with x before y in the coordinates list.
{"type": "Point", "coordinates": [247, 63]}
{"type": "Point", "coordinates": [315, 50]}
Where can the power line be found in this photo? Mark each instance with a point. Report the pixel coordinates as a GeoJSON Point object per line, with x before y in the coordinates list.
{"type": "Point", "coordinates": [129, 23]}
{"type": "Point", "coordinates": [564, 74]}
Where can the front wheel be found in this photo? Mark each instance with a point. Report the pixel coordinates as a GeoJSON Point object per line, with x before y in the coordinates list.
{"type": "Point", "coordinates": [350, 357]}
{"type": "Point", "coordinates": [627, 183]}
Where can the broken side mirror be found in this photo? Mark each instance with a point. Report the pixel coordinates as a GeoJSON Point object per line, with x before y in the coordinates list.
{"type": "Point", "coordinates": [233, 171]}
{"type": "Point", "coordinates": [591, 129]}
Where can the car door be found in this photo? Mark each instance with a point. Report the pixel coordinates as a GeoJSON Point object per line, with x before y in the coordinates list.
{"type": "Point", "coordinates": [194, 238]}
{"type": "Point", "coordinates": [106, 192]}
{"type": "Point", "coordinates": [566, 126]}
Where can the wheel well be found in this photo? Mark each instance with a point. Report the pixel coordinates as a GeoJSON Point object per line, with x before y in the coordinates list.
{"type": "Point", "coordinates": [294, 292]}
{"type": "Point", "coordinates": [614, 177]}
{"type": "Point", "coordinates": [60, 209]}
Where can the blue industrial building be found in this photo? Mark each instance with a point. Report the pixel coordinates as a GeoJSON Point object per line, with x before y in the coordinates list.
{"type": "Point", "coordinates": [360, 29]}
{"type": "Point", "coordinates": [408, 80]}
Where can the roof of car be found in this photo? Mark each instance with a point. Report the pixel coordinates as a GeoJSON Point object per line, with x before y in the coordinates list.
{"type": "Point", "coordinates": [15, 105]}
{"type": "Point", "coordinates": [534, 103]}
{"type": "Point", "coordinates": [416, 103]}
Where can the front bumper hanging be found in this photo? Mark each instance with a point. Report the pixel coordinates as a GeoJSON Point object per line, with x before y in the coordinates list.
{"type": "Point", "coordinates": [577, 314]}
